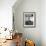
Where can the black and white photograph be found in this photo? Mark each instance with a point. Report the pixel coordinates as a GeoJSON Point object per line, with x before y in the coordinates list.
{"type": "Point", "coordinates": [29, 19]}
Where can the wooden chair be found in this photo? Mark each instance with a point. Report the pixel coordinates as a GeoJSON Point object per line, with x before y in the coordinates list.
{"type": "Point", "coordinates": [18, 39]}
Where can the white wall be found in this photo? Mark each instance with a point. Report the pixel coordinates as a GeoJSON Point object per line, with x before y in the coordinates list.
{"type": "Point", "coordinates": [43, 22]}
{"type": "Point", "coordinates": [38, 34]}
{"type": "Point", "coordinates": [6, 13]}
{"type": "Point", "coordinates": [29, 6]}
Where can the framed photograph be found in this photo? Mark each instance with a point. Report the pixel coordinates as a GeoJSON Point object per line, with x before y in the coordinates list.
{"type": "Point", "coordinates": [29, 19]}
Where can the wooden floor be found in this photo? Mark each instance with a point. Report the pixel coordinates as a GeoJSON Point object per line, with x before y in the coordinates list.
{"type": "Point", "coordinates": [9, 43]}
